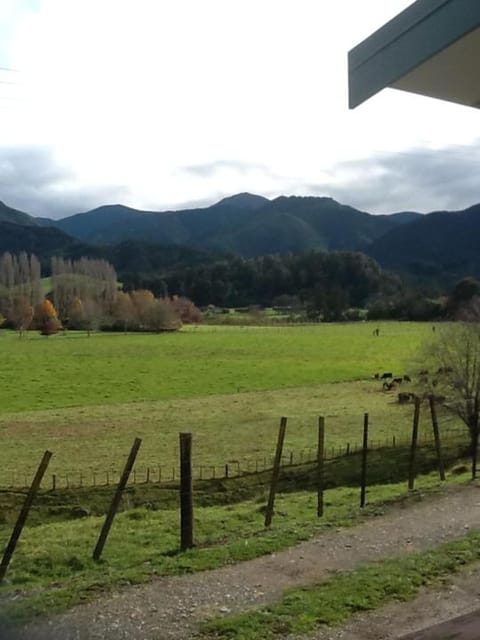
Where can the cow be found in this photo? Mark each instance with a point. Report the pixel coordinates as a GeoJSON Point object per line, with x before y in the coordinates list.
{"type": "Point", "coordinates": [407, 378]}
{"type": "Point", "coordinates": [405, 396]}
{"type": "Point", "coordinates": [398, 380]}
{"type": "Point", "coordinates": [436, 397]}
{"type": "Point", "coordinates": [386, 375]}
{"type": "Point", "coordinates": [444, 370]}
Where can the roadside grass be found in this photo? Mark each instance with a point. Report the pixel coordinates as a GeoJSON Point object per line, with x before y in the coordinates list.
{"type": "Point", "coordinates": [334, 601]}
{"type": "Point", "coordinates": [52, 568]}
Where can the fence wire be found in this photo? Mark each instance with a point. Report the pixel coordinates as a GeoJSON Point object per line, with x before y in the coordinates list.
{"type": "Point", "coordinates": [385, 434]}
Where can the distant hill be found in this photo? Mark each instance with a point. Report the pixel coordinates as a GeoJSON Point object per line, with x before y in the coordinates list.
{"type": "Point", "coordinates": [440, 244]}
{"type": "Point", "coordinates": [244, 224]}
{"type": "Point", "coordinates": [43, 241]}
{"type": "Point", "coordinates": [144, 258]}
{"type": "Point", "coordinates": [404, 217]}
{"type": "Point", "coordinates": [129, 257]}
{"type": "Point", "coordinates": [247, 201]}
{"type": "Point", "coordinates": [13, 216]}
{"type": "Point", "coordinates": [295, 224]}
{"type": "Point", "coordinates": [436, 246]}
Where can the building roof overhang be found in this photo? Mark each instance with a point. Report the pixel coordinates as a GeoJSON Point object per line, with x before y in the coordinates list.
{"type": "Point", "coordinates": [431, 48]}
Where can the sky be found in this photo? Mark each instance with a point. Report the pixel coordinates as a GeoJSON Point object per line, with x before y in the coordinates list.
{"type": "Point", "coordinates": [170, 104]}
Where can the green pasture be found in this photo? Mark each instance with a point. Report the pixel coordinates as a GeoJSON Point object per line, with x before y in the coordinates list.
{"type": "Point", "coordinates": [86, 398]}
{"type": "Point", "coordinates": [72, 369]}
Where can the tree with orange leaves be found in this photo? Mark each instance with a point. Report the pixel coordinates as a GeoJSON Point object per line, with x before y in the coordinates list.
{"type": "Point", "coordinates": [45, 318]}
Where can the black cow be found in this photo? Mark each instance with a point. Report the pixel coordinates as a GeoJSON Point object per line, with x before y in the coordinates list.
{"type": "Point", "coordinates": [405, 396]}
{"type": "Point", "coordinates": [445, 370]}
{"type": "Point", "coordinates": [384, 376]}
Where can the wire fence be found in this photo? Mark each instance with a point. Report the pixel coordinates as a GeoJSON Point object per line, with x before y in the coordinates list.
{"type": "Point", "coordinates": [168, 473]}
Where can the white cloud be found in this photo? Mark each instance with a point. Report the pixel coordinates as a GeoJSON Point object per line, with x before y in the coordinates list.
{"type": "Point", "coordinates": [130, 92]}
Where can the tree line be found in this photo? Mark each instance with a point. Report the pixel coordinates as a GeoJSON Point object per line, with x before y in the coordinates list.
{"type": "Point", "coordinates": [326, 285]}
{"type": "Point", "coordinates": [316, 285]}
{"type": "Point", "coordinates": [81, 294]}
{"type": "Point", "coordinates": [321, 285]}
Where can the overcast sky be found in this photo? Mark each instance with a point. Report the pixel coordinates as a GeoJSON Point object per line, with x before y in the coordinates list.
{"type": "Point", "coordinates": [165, 104]}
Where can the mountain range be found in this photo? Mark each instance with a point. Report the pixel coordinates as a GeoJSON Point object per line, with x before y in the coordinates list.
{"type": "Point", "coordinates": [438, 244]}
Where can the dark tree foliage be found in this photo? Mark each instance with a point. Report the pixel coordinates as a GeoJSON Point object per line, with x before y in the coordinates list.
{"type": "Point", "coordinates": [327, 283]}
{"type": "Point", "coordinates": [463, 293]}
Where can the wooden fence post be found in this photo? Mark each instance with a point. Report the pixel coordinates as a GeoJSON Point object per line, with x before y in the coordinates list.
{"type": "Point", "coordinates": [275, 472]}
{"type": "Point", "coordinates": [413, 446]}
{"type": "Point", "coordinates": [320, 464]}
{"type": "Point", "coordinates": [363, 471]}
{"type": "Point", "coordinates": [436, 435]}
{"type": "Point", "coordinates": [22, 517]}
{"type": "Point", "coordinates": [472, 412]}
{"type": "Point", "coordinates": [186, 492]}
{"type": "Point", "coordinates": [475, 450]}
{"type": "Point", "coordinates": [116, 499]}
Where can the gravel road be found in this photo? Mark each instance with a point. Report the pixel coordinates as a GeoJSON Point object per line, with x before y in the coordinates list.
{"type": "Point", "coordinates": [170, 608]}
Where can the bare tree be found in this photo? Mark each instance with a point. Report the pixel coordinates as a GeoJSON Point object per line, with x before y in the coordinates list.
{"type": "Point", "coordinates": [21, 314]}
{"type": "Point", "coordinates": [123, 310]}
{"type": "Point", "coordinates": [20, 277]}
{"type": "Point", "coordinates": [161, 316]}
{"type": "Point", "coordinates": [455, 354]}
{"type": "Point", "coordinates": [94, 282]}
{"type": "Point", "coordinates": [92, 315]}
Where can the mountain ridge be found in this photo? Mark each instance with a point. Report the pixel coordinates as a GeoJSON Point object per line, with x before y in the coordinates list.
{"type": "Point", "coordinates": [241, 224]}
{"type": "Point", "coordinates": [428, 245]}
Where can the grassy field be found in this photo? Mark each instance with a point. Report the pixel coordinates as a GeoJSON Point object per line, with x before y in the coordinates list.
{"type": "Point", "coordinates": [73, 370]}
{"type": "Point", "coordinates": [86, 398]}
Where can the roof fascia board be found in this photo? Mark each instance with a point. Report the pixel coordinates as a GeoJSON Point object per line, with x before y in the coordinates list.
{"type": "Point", "coordinates": [415, 35]}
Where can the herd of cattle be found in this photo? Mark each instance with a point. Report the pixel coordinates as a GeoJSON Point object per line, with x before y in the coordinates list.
{"type": "Point", "coordinates": [391, 383]}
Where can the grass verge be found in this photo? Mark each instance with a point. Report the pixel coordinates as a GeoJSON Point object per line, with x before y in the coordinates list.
{"type": "Point", "coordinates": [332, 602]}
{"type": "Point", "coordinates": [52, 568]}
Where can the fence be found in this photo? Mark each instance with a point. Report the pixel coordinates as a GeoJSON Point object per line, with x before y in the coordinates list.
{"type": "Point", "coordinates": [160, 474]}
{"type": "Point", "coordinates": [317, 471]}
